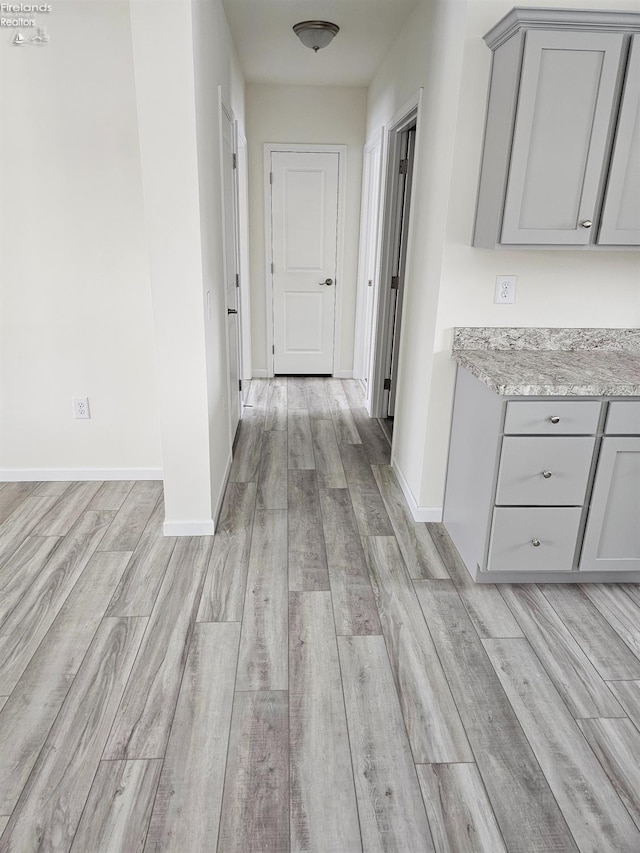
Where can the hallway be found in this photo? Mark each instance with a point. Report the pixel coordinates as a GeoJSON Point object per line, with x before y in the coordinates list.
{"type": "Point", "coordinates": [320, 675]}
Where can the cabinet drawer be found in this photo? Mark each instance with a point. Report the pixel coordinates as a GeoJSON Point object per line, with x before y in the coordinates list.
{"type": "Point", "coordinates": [544, 471]}
{"type": "Point", "coordinates": [542, 417]}
{"type": "Point", "coordinates": [516, 530]}
{"type": "Point", "coordinates": [623, 418]}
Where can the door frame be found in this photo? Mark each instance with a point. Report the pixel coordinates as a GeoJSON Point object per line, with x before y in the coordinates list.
{"type": "Point", "coordinates": [280, 147]}
{"type": "Point", "coordinates": [370, 243]}
{"type": "Point", "coordinates": [242, 182]}
{"type": "Point", "coordinates": [225, 111]}
{"type": "Point", "coordinates": [408, 115]}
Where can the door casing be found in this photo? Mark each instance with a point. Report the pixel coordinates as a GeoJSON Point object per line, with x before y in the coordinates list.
{"type": "Point", "coordinates": [234, 394]}
{"type": "Point", "coordinates": [369, 255]}
{"type": "Point", "coordinates": [341, 151]}
{"type": "Point", "coordinates": [406, 117]}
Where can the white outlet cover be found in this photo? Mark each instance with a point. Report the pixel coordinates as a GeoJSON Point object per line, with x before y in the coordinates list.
{"type": "Point", "coordinates": [81, 408]}
{"type": "Point", "coordinates": [505, 289]}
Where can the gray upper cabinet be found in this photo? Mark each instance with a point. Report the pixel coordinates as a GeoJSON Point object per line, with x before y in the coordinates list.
{"type": "Point", "coordinates": [563, 96]}
{"type": "Point", "coordinates": [621, 211]}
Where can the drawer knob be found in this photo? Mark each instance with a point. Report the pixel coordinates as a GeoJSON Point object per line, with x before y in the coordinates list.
{"type": "Point", "coordinates": [546, 474]}
{"type": "Point", "coordinates": [586, 223]}
{"type": "Point", "coordinates": [554, 419]}
{"type": "Point", "coordinates": [536, 543]}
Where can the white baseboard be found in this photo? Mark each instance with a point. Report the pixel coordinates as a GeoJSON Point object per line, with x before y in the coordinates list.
{"type": "Point", "coordinates": [260, 373]}
{"type": "Point", "coordinates": [202, 527]}
{"type": "Point", "coordinates": [29, 475]}
{"type": "Point", "coordinates": [343, 374]}
{"type": "Point", "coordinates": [205, 527]}
{"type": "Point", "coordinates": [223, 487]}
{"type": "Point", "coordinates": [419, 513]}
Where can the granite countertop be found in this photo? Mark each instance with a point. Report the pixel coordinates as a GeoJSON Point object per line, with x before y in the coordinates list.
{"type": "Point", "coordinates": [552, 362]}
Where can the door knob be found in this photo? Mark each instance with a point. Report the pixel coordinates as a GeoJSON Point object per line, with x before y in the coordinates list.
{"type": "Point", "coordinates": [536, 543]}
{"type": "Point", "coordinates": [546, 474]}
{"type": "Point", "coordinates": [586, 223]}
{"type": "Point", "coordinates": [232, 311]}
{"type": "Point", "coordinates": [328, 282]}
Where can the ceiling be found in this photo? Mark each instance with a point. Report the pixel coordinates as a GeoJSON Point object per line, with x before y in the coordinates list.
{"type": "Point", "coordinates": [271, 53]}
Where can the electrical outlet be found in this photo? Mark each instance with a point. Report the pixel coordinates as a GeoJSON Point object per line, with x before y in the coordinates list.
{"type": "Point", "coordinates": [505, 289]}
{"type": "Point", "coordinates": [81, 407]}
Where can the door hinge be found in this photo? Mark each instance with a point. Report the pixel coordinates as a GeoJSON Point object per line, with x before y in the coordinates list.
{"type": "Point", "coordinates": [240, 384]}
{"type": "Point", "coordinates": [387, 385]}
{"type": "Point", "coordinates": [273, 349]}
{"type": "Point", "coordinates": [237, 280]}
{"type": "Point", "coordinates": [271, 266]}
{"type": "Point", "coordinates": [404, 167]}
{"type": "Point", "coordinates": [235, 161]}
{"type": "Point", "coordinates": [395, 282]}
{"type": "Point", "coordinates": [270, 177]}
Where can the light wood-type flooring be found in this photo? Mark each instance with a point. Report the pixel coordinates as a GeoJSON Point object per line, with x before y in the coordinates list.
{"type": "Point", "coordinates": [322, 675]}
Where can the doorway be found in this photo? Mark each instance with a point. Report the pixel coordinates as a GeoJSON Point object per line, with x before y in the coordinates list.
{"type": "Point", "coordinates": [228, 167]}
{"type": "Point", "coordinates": [303, 244]}
{"type": "Point", "coordinates": [406, 147]}
{"type": "Point", "coordinates": [369, 259]}
{"type": "Point", "coordinates": [386, 331]}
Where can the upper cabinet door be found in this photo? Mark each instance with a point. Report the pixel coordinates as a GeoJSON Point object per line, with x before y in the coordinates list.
{"type": "Point", "coordinates": [621, 214]}
{"type": "Point", "coordinates": [566, 106]}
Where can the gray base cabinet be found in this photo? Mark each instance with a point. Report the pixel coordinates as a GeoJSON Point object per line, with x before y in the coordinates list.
{"type": "Point", "coordinates": [560, 165]}
{"type": "Point", "coordinates": [544, 489]}
{"type": "Point", "coordinates": [612, 536]}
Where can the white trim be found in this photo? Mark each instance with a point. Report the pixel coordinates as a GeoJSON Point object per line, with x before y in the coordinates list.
{"type": "Point", "coordinates": [343, 374]}
{"type": "Point", "coordinates": [30, 475]}
{"type": "Point", "coordinates": [341, 151]}
{"type": "Point", "coordinates": [419, 513]}
{"type": "Point", "coordinates": [234, 399]}
{"type": "Point", "coordinates": [203, 527]}
{"type": "Point", "coordinates": [409, 113]}
{"type": "Point", "coordinates": [243, 240]}
{"type": "Point", "coordinates": [260, 373]}
{"type": "Point", "coordinates": [370, 233]}
{"type": "Point", "coordinates": [223, 488]}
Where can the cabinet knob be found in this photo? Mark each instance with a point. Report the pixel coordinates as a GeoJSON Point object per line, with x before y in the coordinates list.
{"type": "Point", "coordinates": [586, 223]}
{"type": "Point", "coordinates": [546, 474]}
{"type": "Point", "coordinates": [536, 543]}
{"type": "Point", "coordinates": [554, 419]}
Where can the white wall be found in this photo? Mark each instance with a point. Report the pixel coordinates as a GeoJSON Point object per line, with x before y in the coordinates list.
{"type": "Point", "coordinates": [182, 52]}
{"type": "Point", "coordinates": [427, 54]}
{"type": "Point", "coordinates": [449, 283]}
{"type": "Point", "coordinates": [304, 114]}
{"type": "Point", "coordinates": [216, 64]}
{"type": "Point", "coordinates": [75, 312]}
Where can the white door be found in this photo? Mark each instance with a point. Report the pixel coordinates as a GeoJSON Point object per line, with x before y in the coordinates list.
{"type": "Point", "coordinates": [231, 267]}
{"type": "Point", "coordinates": [304, 218]}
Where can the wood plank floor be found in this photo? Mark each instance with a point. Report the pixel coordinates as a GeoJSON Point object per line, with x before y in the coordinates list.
{"type": "Point", "coordinates": [321, 675]}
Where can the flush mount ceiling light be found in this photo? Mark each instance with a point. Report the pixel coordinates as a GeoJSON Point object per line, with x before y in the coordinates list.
{"type": "Point", "coordinates": [316, 34]}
